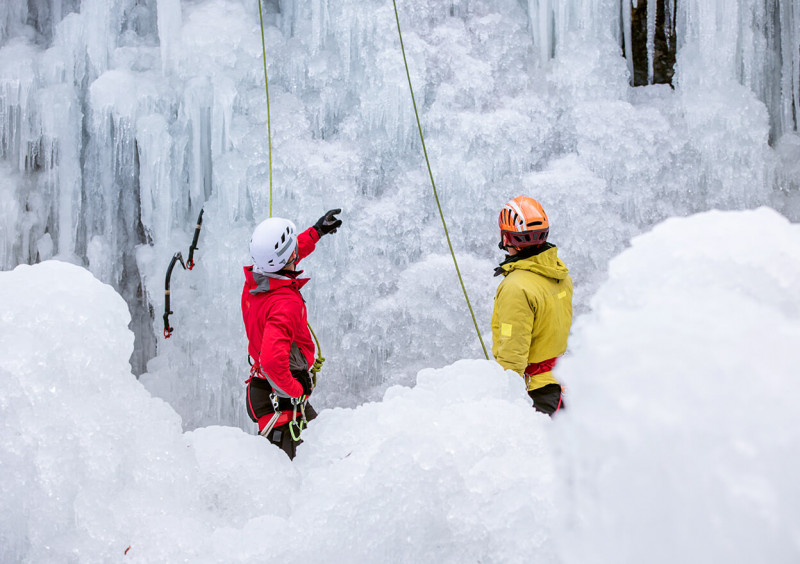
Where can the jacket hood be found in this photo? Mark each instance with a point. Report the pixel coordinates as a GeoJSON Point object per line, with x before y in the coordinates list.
{"type": "Point", "coordinates": [262, 283]}
{"type": "Point", "coordinates": [545, 263]}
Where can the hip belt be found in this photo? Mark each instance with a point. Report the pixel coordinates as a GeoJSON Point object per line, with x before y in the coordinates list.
{"type": "Point", "coordinates": [535, 368]}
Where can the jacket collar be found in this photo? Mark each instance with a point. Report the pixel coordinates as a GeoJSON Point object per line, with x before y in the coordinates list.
{"type": "Point", "coordinates": [544, 262]}
{"type": "Point", "coordinates": [257, 283]}
{"type": "Point", "coordinates": [522, 255]}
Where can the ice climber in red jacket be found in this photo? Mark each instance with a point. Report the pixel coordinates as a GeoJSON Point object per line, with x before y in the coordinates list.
{"type": "Point", "coordinates": [279, 342]}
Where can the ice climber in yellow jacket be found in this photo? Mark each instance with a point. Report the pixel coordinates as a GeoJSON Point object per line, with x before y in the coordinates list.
{"type": "Point", "coordinates": [533, 305]}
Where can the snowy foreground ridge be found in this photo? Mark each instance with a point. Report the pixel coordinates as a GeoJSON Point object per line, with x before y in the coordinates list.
{"type": "Point", "coordinates": [681, 443]}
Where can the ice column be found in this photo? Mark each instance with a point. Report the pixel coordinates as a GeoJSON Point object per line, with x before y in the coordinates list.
{"type": "Point", "coordinates": [627, 18]}
{"type": "Point", "coordinates": [60, 114]}
{"type": "Point", "coordinates": [100, 38]}
{"type": "Point", "coordinates": [755, 43]}
{"type": "Point", "coordinates": [154, 145]}
{"type": "Point", "coordinates": [553, 24]}
{"type": "Point", "coordinates": [198, 99]}
{"type": "Point", "coordinates": [13, 13]}
{"type": "Point", "coordinates": [540, 13]}
{"type": "Point", "coordinates": [652, 10]}
{"type": "Point", "coordinates": [790, 65]}
{"type": "Point", "coordinates": [169, 32]}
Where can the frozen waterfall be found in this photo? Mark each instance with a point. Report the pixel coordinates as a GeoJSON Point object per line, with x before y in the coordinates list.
{"type": "Point", "coordinates": [121, 120]}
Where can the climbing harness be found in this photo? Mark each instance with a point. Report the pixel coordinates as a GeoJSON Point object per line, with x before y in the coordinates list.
{"type": "Point", "coordinates": [433, 184]}
{"type": "Point", "coordinates": [188, 265]}
{"type": "Point", "coordinates": [275, 416]}
{"type": "Point", "coordinates": [297, 424]}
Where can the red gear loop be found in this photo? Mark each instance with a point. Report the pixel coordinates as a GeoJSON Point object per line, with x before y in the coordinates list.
{"type": "Point", "coordinates": [541, 367]}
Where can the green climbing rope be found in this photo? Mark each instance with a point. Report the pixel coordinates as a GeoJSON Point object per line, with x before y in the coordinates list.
{"type": "Point", "coordinates": [433, 184]}
{"type": "Point", "coordinates": [269, 122]}
{"type": "Point", "coordinates": [320, 359]}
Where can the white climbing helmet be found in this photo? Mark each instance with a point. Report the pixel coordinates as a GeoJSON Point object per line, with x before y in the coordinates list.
{"type": "Point", "coordinates": [272, 244]}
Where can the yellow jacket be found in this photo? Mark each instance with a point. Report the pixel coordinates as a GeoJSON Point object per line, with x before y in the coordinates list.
{"type": "Point", "coordinates": [532, 314]}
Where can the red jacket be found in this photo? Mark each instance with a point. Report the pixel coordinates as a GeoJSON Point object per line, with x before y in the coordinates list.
{"type": "Point", "coordinates": [275, 320]}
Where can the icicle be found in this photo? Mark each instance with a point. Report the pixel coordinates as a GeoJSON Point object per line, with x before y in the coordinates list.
{"type": "Point", "coordinates": [545, 27]}
{"type": "Point", "coordinates": [198, 99]}
{"type": "Point", "coordinates": [100, 39]}
{"type": "Point", "coordinates": [792, 23]}
{"type": "Point", "coordinates": [652, 10]}
{"type": "Point", "coordinates": [627, 35]}
{"type": "Point", "coordinates": [543, 21]}
{"type": "Point", "coordinates": [13, 13]}
{"type": "Point", "coordinates": [169, 32]}
{"type": "Point", "coordinates": [60, 114]}
{"type": "Point", "coordinates": [154, 144]}
{"type": "Point", "coordinates": [669, 21]}
{"type": "Point", "coordinates": [10, 213]}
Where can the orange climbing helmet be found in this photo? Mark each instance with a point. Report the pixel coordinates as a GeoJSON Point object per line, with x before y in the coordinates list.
{"type": "Point", "coordinates": [523, 223]}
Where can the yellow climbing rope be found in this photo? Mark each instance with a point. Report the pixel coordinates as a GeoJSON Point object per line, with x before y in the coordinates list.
{"type": "Point", "coordinates": [433, 184]}
{"type": "Point", "coordinates": [320, 359]}
{"type": "Point", "coordinates": [269, 122]}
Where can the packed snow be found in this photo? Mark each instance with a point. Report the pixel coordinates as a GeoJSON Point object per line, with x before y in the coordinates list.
{"type": "Point", "coordinates": [683, 441]}
{"type": "Point", "coordinates": [680, 441]}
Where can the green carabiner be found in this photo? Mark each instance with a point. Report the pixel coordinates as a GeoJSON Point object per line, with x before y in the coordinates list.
{"type": "Point", "coordinates": [293, 423]}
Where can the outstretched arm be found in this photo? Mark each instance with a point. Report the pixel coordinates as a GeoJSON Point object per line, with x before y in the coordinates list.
{"type": "Point", "coordinates": [306, 243]}
{"type": "Point", "coordinates": [307, 240]}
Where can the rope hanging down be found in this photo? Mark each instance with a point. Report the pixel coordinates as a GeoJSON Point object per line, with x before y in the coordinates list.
{"type": "Point", "coordinates": [433, 184]}
{"type": "Point", "coordinates": [320, 359]}
{"type": "Point", "coordinates": [269, 121]}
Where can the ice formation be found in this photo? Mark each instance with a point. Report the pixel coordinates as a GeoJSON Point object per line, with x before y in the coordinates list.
{"type": "Point", "coordinates": [95, 468]}
{"type": "Point", "coordinates": [681, 441]}
{"type": "Point", "coordinates": [120, 121]}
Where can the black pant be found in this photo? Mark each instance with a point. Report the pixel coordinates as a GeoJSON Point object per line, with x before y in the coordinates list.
{"type": "Point", "coordinates": [282, 436]}
{"type": "Point", "coordinates": [259, 405]}
{"type": "Point", "coordinates": [547, 399]}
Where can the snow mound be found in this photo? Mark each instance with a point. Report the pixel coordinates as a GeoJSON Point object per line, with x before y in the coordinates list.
{"type": "Point", "coordinates": [682, 442]}
{"type": "Point", "coordinates": [454, 469]}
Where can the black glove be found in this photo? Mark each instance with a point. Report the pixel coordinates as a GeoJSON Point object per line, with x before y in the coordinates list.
{"type": "Point", "coordinates": [304, 378]}
{"type": "Point", "coordinates": [328, 223]}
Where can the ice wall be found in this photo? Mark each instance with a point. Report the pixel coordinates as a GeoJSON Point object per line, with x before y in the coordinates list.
{"type": "Point", "coordinates": [127, 118]}
{"type": "Point", "coordinates": [756, 44]}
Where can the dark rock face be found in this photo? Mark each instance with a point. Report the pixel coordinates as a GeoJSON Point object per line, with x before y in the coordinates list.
{"type": "Point", "coordinates": [664, 45]}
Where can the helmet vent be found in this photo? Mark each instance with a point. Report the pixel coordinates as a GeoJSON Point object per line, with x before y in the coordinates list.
{"type": "Point", "coordinates": [530, 223]}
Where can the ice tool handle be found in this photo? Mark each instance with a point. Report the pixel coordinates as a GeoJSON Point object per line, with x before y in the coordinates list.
{"type": "Point", "coordinates": [188, 265]}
